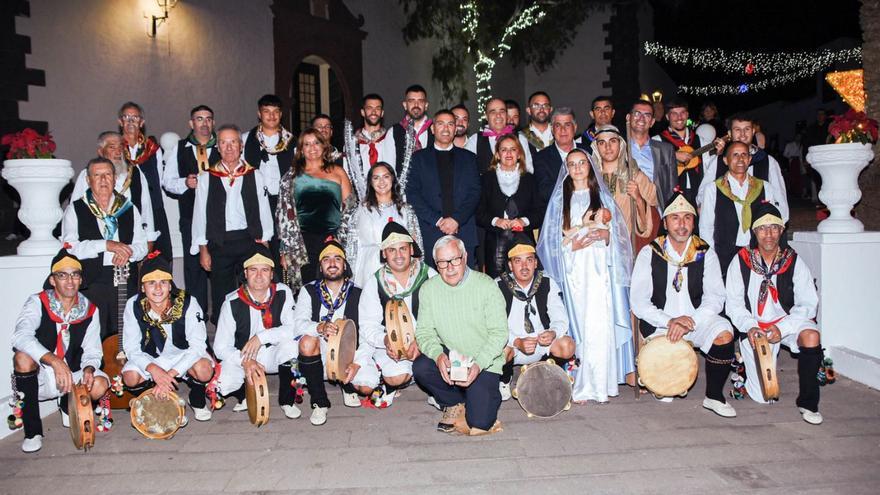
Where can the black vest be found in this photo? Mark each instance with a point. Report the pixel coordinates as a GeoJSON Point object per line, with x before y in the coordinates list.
{"type": "Point", "coordinates": [540, 299]}
{"type": "Point", "coordinates": [726, 228]}
{"type": "Point", "coordinates": [178, 328]}
{"type": "Point", "coordinates": [660, 279]}
{"type": "Point", "coordinates": [351, 304]}
{"type": "Point", "coordinates": [216, 208]}
{"type": "Point", "coordinates": [784, 284]}
{"type": "Point", "coordinates": [136, 189]}
{"type": "Point", "coordinates": [399, 133]}
{"type": "Point", "coordinates": [88, 230]}
{"type": "Point", "coordinates": [241, 313]}
{"type": "Point", "coordinates": [187, 165]}
{"type": "Point", "coordinates": [47, 335]}
{"type": "Point", "coordinates": [256, 156]}
{"type": "Point", "coordinates": [694, 175]}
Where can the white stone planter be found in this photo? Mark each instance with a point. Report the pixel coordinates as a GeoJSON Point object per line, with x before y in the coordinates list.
{"type": "Point", "coordinates": [840, 165]}
{"type": "Point", "coordinates": [39, 182]}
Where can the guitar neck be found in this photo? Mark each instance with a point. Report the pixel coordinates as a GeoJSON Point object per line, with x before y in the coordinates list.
{"type": "Point", "coordinates": [121, 300]}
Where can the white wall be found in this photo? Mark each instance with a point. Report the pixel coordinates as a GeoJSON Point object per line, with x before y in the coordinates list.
{"type": "Point", "coordinates": [97, 55]}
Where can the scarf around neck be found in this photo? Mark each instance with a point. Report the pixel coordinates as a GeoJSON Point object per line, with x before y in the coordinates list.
{"type": "Point", "coordinates": [118, 206]}
{"type": "Point", "coordinates": [529, 308]}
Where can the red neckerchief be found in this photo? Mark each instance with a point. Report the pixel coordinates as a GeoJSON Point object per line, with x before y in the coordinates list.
{"type": "Point", "coordinates": [243, 168]}
{"type": "Point", "coordinates": [784, 259]}
{"type": "Point", "coordinates": [374, 153]}
{"type": "Point", "coordinates": [405, 123]}
{"type": "Point", "coordinates": [673, 138]}
{"type": "Point", "coordinates": [488, 132]}
{"type": "Point", "coordinates": [265, 308]}
{"type": "Point", "coordinates": [146, 149]}
{"type": "Point", "coordinates": [59, 340]}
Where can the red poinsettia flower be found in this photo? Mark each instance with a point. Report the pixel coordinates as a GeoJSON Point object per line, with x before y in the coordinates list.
{"type": "Point", "coordinates": [29, 144]}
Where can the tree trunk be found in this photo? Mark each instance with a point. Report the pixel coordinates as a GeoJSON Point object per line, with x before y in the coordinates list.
{"type": "Point", "coordinates": [868, 210]}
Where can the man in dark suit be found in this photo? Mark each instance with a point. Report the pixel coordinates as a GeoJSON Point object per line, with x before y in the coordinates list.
{"type": "Point", "coordinates": [444, 188]}
{"type": "Point", "coordinates": [549, 160]}
{"type": "Point", "coordinates": [655, 158]}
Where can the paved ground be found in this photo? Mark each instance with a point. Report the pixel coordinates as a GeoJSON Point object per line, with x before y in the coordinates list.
{"type": "Point", "coordinates": [621, 447]}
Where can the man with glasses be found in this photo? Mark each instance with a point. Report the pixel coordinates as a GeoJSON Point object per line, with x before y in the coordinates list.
{"type": "Point", "coordinates": [602, 113]}
{"type": "Point", "coordinates": [483, 143]}
{"type": "Point", "coordinates": [462, 122]}
{"type": "Point", "coordinates": [538, 133]}
{"type": "Point", "coordinates": [655, 158]}
{"type": "Point", "coordinates": [324, 126]}
{"type": "Point", "coordinates": [444, 187]}
{"type": "Point", "coordinates": [56, 344]}
{"type": "Point", "coordinates": [192, 155]}
{"type": "Point", "coordinates": [770, 291]}
{"type": "Point", "coordinates": [415, 107]}
{"type": "Point", "coordinates": [461, 314]}
{"type": "Point", "coordinates": [536, 315]}
{"type": "Point", "coordinates": [549, 160]}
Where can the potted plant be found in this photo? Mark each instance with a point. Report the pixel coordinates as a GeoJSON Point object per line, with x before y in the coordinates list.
{"type": "Point", "coordinates": [38, 176]}
{"type": "Point", "coordinates": [840, 164]}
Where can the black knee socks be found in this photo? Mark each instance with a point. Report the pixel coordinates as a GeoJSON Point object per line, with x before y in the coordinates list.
{"type": "Point", "coordinates": [507, 372]}
{"type": "Point", "coordinates": [718, 361]}
{"type": "Point", "coordinates": [809, 360]}
{"type": "Point", "coordinates": [197, 393]}
{"type": "Point", "coordinates": [29, 385]}
{"type": "Point", "coordinates": [285, 389]}
{"type": "Point", "coordinates": [312, 368]}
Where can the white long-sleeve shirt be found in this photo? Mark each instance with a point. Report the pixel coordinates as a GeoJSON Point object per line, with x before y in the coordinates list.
{"type": "Point", "coordinates": [303, 313]}
{"type": "Point", "coordinates": [24, 337]}
{"type": "Point", "coordinates": [85, 249]}
{"type": "Point", "coordinates": [806, 299]}
{"type": "Point", "coordinates": [555, 310]}
{"type": "Point", "coordinates": [182, 359]}
{"type": "Point", "coordinates": [471, 146]}
{"type": "Point", "coordinates": [386, 149]}
{"type": "Point", "coordinates": [775, 183]}
{"type": "Point", "coordinates": [171, 179]}
{"type": "Point", "coordinates": [269, 169]}
{"type": "Point", "coordinates": [145, 207]}
{"type": "Point", "coordinates": [707, 210]}
{"type": "Point", "coordinates": [235, 216]}
{"type": "Point", "coordinates": [224, 339]}
{"type": "Point", "coordinates": [677, 303]}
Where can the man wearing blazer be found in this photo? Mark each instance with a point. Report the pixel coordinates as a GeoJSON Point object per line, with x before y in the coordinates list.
{"type": "Point", "coordinates": [549, 160]}
{"type": "Point", "coordinates": [655, 158]}
{"type": "Point", "coordinates": [444, 188]}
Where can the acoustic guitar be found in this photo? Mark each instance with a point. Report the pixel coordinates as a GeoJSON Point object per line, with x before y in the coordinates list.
{"type": "Point", "coordinates": [112, 345]}
{"type": "Point", "coordinates": [695, 154]}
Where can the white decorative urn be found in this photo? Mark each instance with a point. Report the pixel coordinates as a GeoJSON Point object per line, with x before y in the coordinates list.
{"type": "Point", "coordinates": [39, 182]}
{"type": "Point", "coordinates": [839, 165]}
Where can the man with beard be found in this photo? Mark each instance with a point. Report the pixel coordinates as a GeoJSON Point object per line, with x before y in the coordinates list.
{"type": "Point", "coordinates": [549, 160]}
{"type": "Point", "coordinates": [415, 107]}
{"type": "Point", "coordinates": [462, 122]}
{"type": "Point", "coordinates": [104, 230]}
{"type": "Point", "coordinates": [56, 344]}
{"type": "Point", "coordinates": [677, 291]}
{"type": "Point", "coordinates": [144, 153]}
{"type": "Point", "coordinates": [231, 213]}
{"type": "Point", "coordinates": [536, 316]}
{"type": "Point", "coordinates": [679, 134]}
{"type": "Point", "coordinates": [375, 143]}
{"type": "Point", "coordinates": [483, 143]}
{"type": "Point", "coordinates": [655, 158]}
{"type": "Point", "coordinates": [130, 181]}
{"type": "Point", "coordinates": [324, 126]}
{"type": "Point", "coordinates": [444, 188]}
{"type": "Point", "coordinates": [190, 157]}
{"type": "Point", "coordinates": [319, 304]}
{"type": "Point", "coordinates": [602, 113]}
{"type": "Point", "coordinates": [255, 333]}
{"type": "Point", "coordinates": [513, 112]}
{"type": "Point", "coordinates": [539, 133]}
{"type": "Point", "coordinates": [398, 279]}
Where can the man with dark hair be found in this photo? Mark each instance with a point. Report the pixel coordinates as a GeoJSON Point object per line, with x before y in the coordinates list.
{"type": "Point", "coordinates": [602, 113]}
{"type": "Point", "coordinates": [679, 134]}
{"type": "Point", "coordinates": [483, 143]}
{"type": "Point", "coordinates": [513, 112]}
{"type": "Point", "coordinates": [462, 122]}
{"type": "Point", "coordinates": [538, 134]}
{"type": "Point", "coordinates": [319, 304]}
{"type": "Point", "coordinates": [324, 126]}
{"type": "Point", "coordinates": [444, 188]}
{"type": "Point", "coordinates": [655, 158]}
{"type": "Point", "coordinates": [191, 156]}
{"type": "Point", "coordinates": [231, 213]}
{"type": "Point", "coordinates": [374, 143]}
{"type": "Point", "coordinates": [144, 153]}
{"type": "Point", "coordinates": [415, 107]}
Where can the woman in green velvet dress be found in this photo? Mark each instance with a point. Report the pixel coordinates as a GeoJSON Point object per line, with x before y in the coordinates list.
{"type": "Point", "coordinates": [313, 197]}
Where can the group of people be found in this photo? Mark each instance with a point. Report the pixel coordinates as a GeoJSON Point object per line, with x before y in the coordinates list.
{"type": "Point", "coordinates": [506, 247]}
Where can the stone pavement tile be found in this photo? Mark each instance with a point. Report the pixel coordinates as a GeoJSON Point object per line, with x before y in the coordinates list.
{"type": "Point", "coordinates": [837, 488]}
{"type": "Point", "coordinates": [460, 472]}
{"type": "Point", "coordinates": [127, 483]}
{"type": "Point", "coordinates": [138, 462]}
{"type": "Point", "coordinates": [328, 436]}
{"type": "Point", "coordinates": [835, 427]}
{"type": "Point", "coordinates": [842, 447]}
{"type": "Point", "coordinates": [471, 448]}
{"type": "Point", "coordinates": [811, 472]}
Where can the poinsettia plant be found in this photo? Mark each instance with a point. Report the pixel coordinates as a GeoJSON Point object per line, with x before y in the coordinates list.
{"type": "Point", "coordinates": [853, 127]}
{"type": "Point", "coordinates": [29, 144]}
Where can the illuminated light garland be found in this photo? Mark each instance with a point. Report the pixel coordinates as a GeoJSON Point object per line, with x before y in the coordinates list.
{"type": "Point", "coordinates": [485, 64]}
{"type": "Point", "coordinates": [850, 85]}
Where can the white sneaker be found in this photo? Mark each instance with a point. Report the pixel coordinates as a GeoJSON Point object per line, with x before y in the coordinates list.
{"type": "Point", "coordinates": [433, 403]}
{"type": "Point", "coordinates": [319, 415]}
{"type": "Point", "coordinates": [241, 406]}
{"type": "Point", "coordinates": [722, 409]}
{"type": "Point", "coordinates": [814, 418]}
{"type": "Point", "coordinates": [504, 388]}
{"type": "Point", "coordinates": [202, 413]}
{"type": "Point", "coordinates": [32, 444]}
{"type": "Point", "coordinates": [291, 411]}
{"type": "Point", "coordinates": [662, 399]}
{"type": "Point", "coordinates": [351, 400]}
{"type": "Point", "coordinates": [65, 419]}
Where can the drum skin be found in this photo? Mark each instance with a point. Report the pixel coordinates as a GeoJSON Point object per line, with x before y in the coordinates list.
{"type": "Point", "coordinates": [340, 349]}
{"type": "Point", "coordinates": [543, 389]}
{"type": "Point", "coordinates": [257, 396]}
{"type": "Point", "coordinates": [157, 418]}
{"type": "Point", "coordinates": [667, 369]}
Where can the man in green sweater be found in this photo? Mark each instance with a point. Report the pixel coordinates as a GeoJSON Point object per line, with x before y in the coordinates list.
{"type": "Point", "coordinates": [463, 311]}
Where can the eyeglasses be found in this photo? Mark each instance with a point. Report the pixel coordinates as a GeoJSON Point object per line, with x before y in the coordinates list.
{"type": "Point", "coordinates": [64, 276]}
{"type": "Point", "coordinates": [443, 264]}
{"type": "Point", "coordinates": [764, 229]}
{"type": "Point", "coordinates": [130, 118]}
{"type": "Point", "coordinates": [202, 119]}
{"type": "Point", "coordinates": [324, 127]}
{"type": "Point", "coordinates": [540, 106]}
{"type": "Point", "coordinates": [642, 115]}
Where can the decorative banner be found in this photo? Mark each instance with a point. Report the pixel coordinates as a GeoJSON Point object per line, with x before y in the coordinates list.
{"type": "Point", "coordinates": [850, 85]}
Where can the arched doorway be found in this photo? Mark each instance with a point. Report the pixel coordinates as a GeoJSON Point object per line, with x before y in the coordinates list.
{"type": "Point", "coordinates": [314, 90]}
